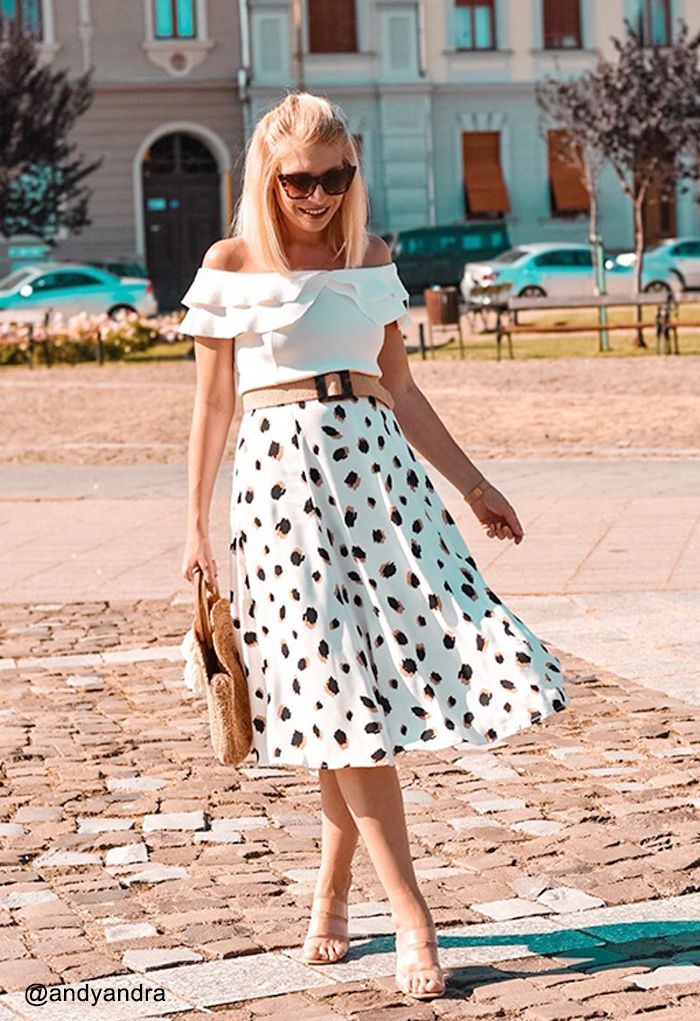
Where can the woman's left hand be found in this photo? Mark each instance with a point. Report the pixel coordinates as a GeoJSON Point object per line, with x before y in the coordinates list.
{"type": "Point", "coordinates": [497, 516]}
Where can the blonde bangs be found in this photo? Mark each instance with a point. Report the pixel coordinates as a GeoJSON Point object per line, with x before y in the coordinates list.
{"type": "Point", "coordinates": [304, 120]}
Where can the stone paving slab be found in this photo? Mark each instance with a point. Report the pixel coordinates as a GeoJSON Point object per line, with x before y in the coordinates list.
{"type": "Point", "coordinates": [228, 856]}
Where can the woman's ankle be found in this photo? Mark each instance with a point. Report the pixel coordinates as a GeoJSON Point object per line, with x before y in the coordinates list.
{"type": "Point", "coordinates": [333, 885]}
{"type": "Point", "coordinates": [409, 908]}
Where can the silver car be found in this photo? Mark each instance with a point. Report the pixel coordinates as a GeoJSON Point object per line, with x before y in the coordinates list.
{"type": "Point", "coordinates": [561, 270]}
{"type": "Point", "coordinates": [672, 264]}
{"type": "Point", "coordinates": [69, 288]}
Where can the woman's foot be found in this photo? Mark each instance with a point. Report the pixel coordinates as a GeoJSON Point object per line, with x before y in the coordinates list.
{"type": "Point", "coordinates": [418, 970]}
{"type": "Point", "coordinates": [327, 939]}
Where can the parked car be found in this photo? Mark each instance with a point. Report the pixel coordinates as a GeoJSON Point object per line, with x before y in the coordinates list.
{"type": "Point", "coordinates": [429, 256]}
{"type": "Point", "coordinates": [671, 265]}
{"type": "Point", "coordinates": [120, 267]}
{"type": "Point", "coordinates": [546, 270]}
{"type": "Point", "coordinates": [69, 288]}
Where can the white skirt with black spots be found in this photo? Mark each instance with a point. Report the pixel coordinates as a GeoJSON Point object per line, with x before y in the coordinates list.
{"type": "Point", "coordinates": [363, 623]}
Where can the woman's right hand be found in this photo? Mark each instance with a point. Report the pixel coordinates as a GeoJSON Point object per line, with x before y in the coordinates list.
{"type": "Point", "coordinates": [198, 554]}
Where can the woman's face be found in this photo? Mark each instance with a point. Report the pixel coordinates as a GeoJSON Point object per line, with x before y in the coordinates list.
{"type": "Point", "coordinates": [312, 213]}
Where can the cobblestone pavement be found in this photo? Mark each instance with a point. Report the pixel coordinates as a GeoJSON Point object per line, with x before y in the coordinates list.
{"type": "Point", "coordinates": [562, 866]}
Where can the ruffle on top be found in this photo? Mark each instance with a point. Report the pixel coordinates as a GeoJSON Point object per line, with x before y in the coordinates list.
{"type": "Point", "coordinates": [222, 303]}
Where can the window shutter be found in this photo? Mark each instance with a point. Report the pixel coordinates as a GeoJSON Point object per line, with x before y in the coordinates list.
{"type": "Point", "coordinates": [562, 24]}
{"type": "Point", "coordinates": [332, 26]}
{"type": "Point", "coordinates": [484, 185]}
{"type": "Point", "coordinates": [569, 192]}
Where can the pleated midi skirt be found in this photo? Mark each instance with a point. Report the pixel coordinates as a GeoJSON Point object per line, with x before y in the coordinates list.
{"type": "Point", "coordinates": [363, 623]}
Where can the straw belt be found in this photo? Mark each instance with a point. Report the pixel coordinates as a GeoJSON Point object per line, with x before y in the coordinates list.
{"type": "Point", "coordinates": [326, 386]}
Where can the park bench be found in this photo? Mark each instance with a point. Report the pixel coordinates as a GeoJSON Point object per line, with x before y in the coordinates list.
{"type": "Point", "coordinates": [665, 321]}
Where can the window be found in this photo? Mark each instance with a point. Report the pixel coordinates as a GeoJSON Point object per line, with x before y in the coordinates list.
{"type": "Point", "coordinates": [565, 258]}
{"type": "Point", "coordinates": [27, 14]}
{"type": "Point", "coordinates": [655, 22]}
{"type": "Point", "coordinates": [14, 279]}
{"type": "Point", "coordinates": [687, 249]}
{"type": "Point", "coordinates": [485, 192]}
{"type": "Point", "coordinates": [567, 191]}
{"type": "Point", "coordinates": [562, 24]}
{"type": "Point", "coordinates": [78, 279]}
{"type": "Point", "coordinates": [49, 282]}
{"type": "Point", "coordinates": [412, 245]}
{"type": "Point", "coordinates": [332, 26]}
{"type": "Point", "coordinates": [475, 25]}
{"type": "Point", "coordinates": [175, 19]}
{"type": "Point", "coordinates": [512, 255]}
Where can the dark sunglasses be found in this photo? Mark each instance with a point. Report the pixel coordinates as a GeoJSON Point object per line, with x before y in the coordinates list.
{"type": "Point", "coordinates": [335, 181]}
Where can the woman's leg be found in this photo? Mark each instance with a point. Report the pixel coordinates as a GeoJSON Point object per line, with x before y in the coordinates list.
{"type": "Point", "coordinates": [373, 796]}
{"type": "Point", "coordinates": [339, 836]}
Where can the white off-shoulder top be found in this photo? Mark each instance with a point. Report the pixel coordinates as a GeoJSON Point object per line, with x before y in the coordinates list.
{"type": "Point", "coordinates": [290, 327]}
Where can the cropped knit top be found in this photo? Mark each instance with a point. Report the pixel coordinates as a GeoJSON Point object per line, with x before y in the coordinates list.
{"type": "Point", "coordinates": [287, 328]}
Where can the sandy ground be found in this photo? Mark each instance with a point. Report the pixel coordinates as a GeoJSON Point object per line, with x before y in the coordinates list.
{"type": "Point", "coordinates": [588, 407]}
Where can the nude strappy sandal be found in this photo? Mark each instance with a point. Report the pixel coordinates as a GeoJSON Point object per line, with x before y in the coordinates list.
{"type": "Point", "coordinates": [408, 940]}
{"type": "Point", "coordinates": [329, 920]}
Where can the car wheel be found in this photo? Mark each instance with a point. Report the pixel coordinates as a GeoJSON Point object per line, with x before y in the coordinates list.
{"type": "Point", "coordinates": [119, 312]}
{"type": "Point", "coordinates": [532, 292]}
{"type": "Point", "coordinates": [657, 287]}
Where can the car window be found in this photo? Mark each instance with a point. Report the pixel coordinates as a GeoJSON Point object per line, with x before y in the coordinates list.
{"type": "Point", "coordinates": [472, 242]}
{"type": "Point", "coordinates": [562, 257]}
{"type": "Point", "coordinates": [76, 278]}
{"type": "Point", "coordinates": [686, 248]}
{"type": "Point", "coordinates": [49, 282]}
{"type": "Point", "coordinates": [443, 242]}
{"type": "Point", "coordinates": [13, 279]}
{"type": "Point", "coordinates": [475, 241]}
{"type": "Point", "coordinates": [512, 255]}
{"type": "Point", "coordinates": [583, 258]}
{"type": "Point", "coordinates": [412, 244]}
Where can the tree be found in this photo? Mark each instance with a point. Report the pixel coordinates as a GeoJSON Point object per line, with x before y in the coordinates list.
{"type": "Point", "coordinates": [40, 175]}
{"type": "Point", "coordinates": [571, 105]}
{"type": "Point", "coordinates": [641, 113]}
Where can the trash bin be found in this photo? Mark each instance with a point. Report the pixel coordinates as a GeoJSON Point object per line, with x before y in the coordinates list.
{"type": "Point", "coordinates": [442, 308]}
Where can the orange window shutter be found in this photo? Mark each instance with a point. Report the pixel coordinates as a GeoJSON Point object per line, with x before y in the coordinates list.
{"type": "Point", "coordinates": [569, 190]}
{"type": "Point", "coordinates": [332, 26]}
{"type": "Point", "coordinates": [483, 177]}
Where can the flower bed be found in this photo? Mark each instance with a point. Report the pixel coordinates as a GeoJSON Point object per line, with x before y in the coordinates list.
{"type": "Point", "coordinates": [84, 337]}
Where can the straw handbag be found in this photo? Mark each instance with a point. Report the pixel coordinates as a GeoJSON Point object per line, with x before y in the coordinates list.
{"type": "Point", "coordinates": [213, 667]}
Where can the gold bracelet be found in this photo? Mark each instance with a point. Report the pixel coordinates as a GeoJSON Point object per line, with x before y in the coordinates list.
{"type": "Point", "coordinates": [477, 491]}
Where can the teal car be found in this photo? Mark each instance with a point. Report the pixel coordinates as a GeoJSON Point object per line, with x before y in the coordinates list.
{"type": "Point", "coordinates": [69, 288]}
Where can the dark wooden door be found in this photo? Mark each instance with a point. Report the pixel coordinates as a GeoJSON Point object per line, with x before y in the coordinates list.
{"type": "Point", "coordinates": [182, 213]}
{"type": "Point", "coordinates": [658, 214]}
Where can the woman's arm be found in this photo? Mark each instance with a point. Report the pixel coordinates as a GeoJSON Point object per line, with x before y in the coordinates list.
{"type": "Point", "coordinates": [419, 422]}
{"type": "Point", "coordinates": [212, 413]}
{"type": "Point", "coordinates": [425, 431]}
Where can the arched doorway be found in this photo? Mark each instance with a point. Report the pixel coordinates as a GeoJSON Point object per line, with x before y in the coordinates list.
{"type": "Point", "coordinates": [181, 210]}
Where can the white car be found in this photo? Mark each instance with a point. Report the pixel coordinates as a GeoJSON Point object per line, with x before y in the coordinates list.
{"type": "Point", "coordinates": [69, 288]}
{"type": "Point", "coordinates": [563, 270]}
{"type": "Point", "coordinates": [672, 264]}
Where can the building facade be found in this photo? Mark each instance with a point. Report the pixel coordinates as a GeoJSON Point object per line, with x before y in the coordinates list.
{"type": "Point", "coordinates": [166, 117]}
{"type": "Point", "coordinates": [439, 94]}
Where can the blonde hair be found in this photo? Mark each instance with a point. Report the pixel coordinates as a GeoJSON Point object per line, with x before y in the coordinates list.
{"type": "Point", "coordinates": [303, 119]}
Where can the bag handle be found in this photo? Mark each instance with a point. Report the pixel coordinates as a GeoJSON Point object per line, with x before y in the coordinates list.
{"type": "Point", "coordinates": [202, 606]}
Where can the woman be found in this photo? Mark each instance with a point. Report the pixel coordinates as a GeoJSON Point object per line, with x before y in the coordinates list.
{"type": "Point", "coordinates": [363, 623]}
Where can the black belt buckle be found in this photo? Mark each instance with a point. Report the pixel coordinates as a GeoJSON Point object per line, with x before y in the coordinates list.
{"type": "Point", "coordinates": [322, 387]}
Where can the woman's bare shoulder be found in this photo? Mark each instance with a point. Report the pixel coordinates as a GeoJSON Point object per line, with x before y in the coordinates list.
{"type": "Point", "coordinates": [228, 253]}
{"type": "Point", "coordinates": [377, 252]}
